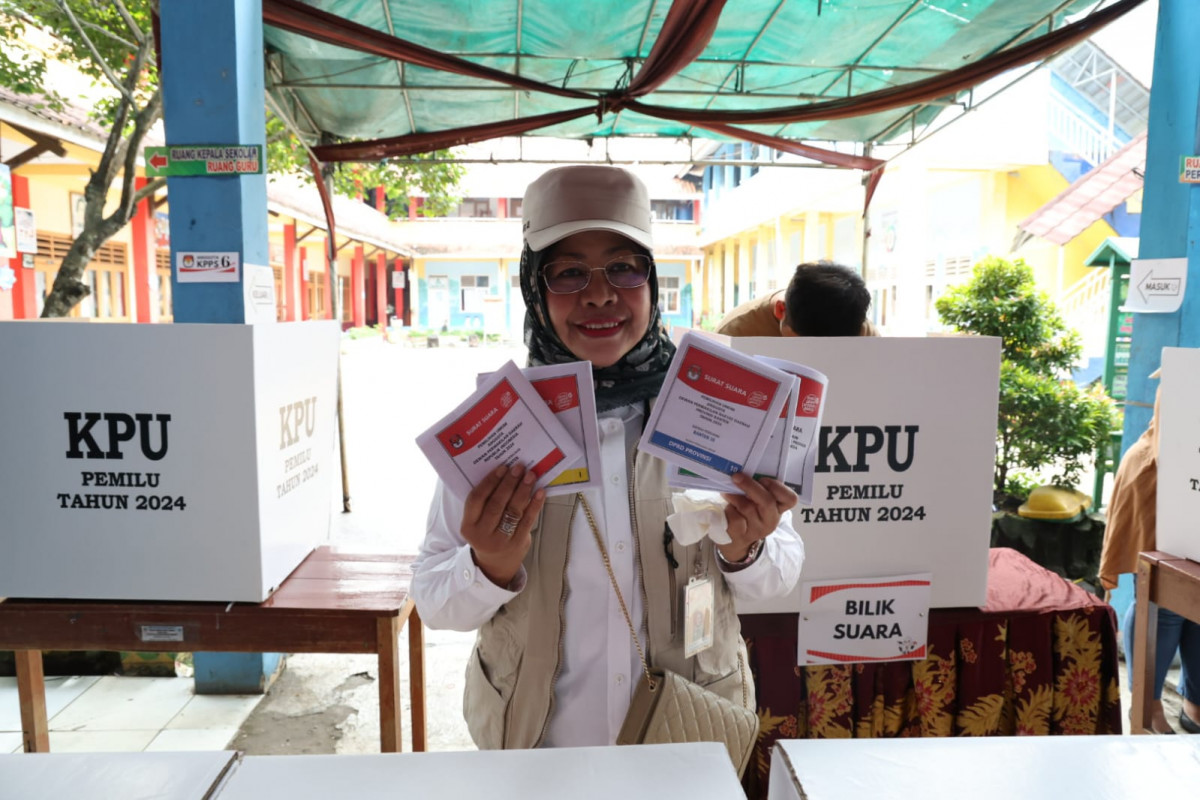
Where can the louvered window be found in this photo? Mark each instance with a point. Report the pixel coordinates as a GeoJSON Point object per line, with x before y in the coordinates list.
{"type": "Point", "coordinates": [106, 275]}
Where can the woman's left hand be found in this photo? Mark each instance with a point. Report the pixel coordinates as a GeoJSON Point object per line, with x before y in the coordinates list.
{"type": "Point", "coordinates": [752, 516]}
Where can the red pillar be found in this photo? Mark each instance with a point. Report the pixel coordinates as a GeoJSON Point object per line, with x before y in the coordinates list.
{"type": "Point", "coordinates": [291, 275]}
{"type": "Point", "coordinates": [502, 207]}
{"type": "Point", "coordinates": [696, 211]}
{"type": "Point", "coordinates": [24, 291]}
{"type": "Point", "coordinates": [329, 283]}
{"type": "Point", "coordinates": [141, 237]}
{"type": "Point", "coordinates": [304, 311]}
{"type": "Point", "coordinates": [381, 289]}
{"type": "Point", "coordinates": [358, 289]}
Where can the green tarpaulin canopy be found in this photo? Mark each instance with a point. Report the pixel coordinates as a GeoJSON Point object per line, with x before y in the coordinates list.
{"type": "Point", "coordinates": [375, 78]}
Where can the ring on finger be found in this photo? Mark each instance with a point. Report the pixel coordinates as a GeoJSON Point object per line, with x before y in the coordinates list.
{"type": "Point", "coordinates": [508, 523]}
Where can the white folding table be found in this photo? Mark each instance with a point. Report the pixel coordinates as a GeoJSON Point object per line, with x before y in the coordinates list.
{"type": "Point", "coordinates": [647, 772]}
{"type": "Point", "coordinates": [987, 768]}
{"type": "Point", "coordinates": [113, 776]}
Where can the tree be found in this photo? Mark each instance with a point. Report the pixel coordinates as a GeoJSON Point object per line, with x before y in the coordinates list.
{"type": "Point", "coordinates": [111, 42]}
{"type": "Point", "coordinates": [108, 42]}
{"type": "Point", "coordinates": [1045, 420]}
{"type": "Point", "coordinates": [438, 182]}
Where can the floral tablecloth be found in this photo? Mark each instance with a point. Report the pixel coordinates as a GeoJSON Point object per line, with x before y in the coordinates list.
{"type": "Point", "coordinates": [1039, 658]}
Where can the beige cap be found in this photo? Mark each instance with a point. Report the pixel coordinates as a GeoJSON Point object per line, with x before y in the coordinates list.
{"type": "Point", "coordinates": [568, 200]}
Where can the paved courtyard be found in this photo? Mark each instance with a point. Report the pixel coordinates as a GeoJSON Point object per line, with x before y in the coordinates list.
{"type": "Point", "coordinates": [330, 703]}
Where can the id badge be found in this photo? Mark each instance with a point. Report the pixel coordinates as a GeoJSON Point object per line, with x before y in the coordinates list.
{"type": "Point", "coordinates": [698, 616]}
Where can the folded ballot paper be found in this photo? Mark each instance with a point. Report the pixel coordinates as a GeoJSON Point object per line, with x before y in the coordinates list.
{"type": "Point", "coordinates": [799, 458]}
{"type": "Point", "coordinates": [506, 421]}
{"type": "Point", "coordinates": [570, 395]}
{"type": "Point", "coordinates": [790, 454]}
{"type": "Point", "coordinates": [716, 411]}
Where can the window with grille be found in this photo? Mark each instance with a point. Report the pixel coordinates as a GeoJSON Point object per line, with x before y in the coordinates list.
{"type": "Point", "coordinates": [344, 297]}
{"type": "Point", "coordinates": [954, 271]}
{"type": "Point", "coordinates": [473, 289]}
{"type": "Point", "coordinates": [668, 294]}
{"type": "Point", "coordinates": [161, 286]}
{"type": "Point", "coordinates": [477, 207]}
{"type": "Point", "coordinates": [106, 275]}
{"type": "Point", "coordinates": [316, 295]}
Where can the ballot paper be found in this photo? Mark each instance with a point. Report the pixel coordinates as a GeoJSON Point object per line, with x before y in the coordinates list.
{"type": "Point", "coordinates": [806, 424]}
{"type": "Point", "coordinates": [505, 422]}
{"type": "Point", "coordinates": [796, 464]}
{"type": "Point", "coordinates": [774, 461]}
{"type": "Point", "coordinates": [716, 410]}
{"type": "Point", "coordinates": [570, 394]}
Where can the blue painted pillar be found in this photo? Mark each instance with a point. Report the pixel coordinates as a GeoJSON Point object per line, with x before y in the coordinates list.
{"type": "Point", "coordinates": [212, 79]}
{"type": "Point", "coordinates": [1171, 210]}
{"type": "Point", "coordinates": [212, 60]}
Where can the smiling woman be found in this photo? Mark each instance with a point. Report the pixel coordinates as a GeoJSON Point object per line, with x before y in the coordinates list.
{"type": "Point", "coordinates": [598, 320]}
{"type": "Point", "coordinates": [559, 657]}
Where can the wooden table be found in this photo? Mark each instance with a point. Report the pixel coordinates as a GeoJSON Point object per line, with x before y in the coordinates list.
{"type": "Point", "coordinates": [1173, 583]}
{"type": "Point", "coordinates": [336, 601]}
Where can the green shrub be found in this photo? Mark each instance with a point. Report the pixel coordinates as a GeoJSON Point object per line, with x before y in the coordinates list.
{"type": "Point", "coordinates": [364, 332]}
{"type": "Point", "coordinates": [1045, 420]}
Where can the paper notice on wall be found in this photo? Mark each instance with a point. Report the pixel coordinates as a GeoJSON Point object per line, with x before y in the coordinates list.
{"type": "Point", "coordinates": [259, 290]}
{"type": "Point", "coordinates": [716, 410]}
{"type": "Point", "coordinates": [504, 422]}
{"type": "Point", "coordinates": [1156, 285]}
{"type": "Point", "coordinates": [196, 267]}
{"type": "Point", "coordinates": [569, 393]}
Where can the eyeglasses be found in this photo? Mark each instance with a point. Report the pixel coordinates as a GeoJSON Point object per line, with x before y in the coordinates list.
{"type": "Point", "coordinates": [569, 277]}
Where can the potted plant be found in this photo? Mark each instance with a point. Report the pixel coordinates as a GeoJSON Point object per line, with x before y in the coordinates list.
{"type": "Point", "coordinates": [1047, 425]}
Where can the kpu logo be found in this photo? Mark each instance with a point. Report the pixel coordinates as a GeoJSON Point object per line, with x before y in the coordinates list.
{"type": "Point", "coordinates": [292, 416]}
{"type": "Point", "coordinates": [120, 428]}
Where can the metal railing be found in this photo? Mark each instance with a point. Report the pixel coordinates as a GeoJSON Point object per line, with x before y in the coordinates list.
{"type": "Point", "coordinates": [1084, 307]}
{"type": "Point", "coordinates": [1082, 135]}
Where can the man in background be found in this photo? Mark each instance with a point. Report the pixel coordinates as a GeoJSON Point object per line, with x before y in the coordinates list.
{"type": "Point", "coordinates": [822, 299]}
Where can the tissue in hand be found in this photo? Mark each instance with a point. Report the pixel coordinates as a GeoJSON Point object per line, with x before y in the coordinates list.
{"type": "Point", "coordinates": [698, 513]}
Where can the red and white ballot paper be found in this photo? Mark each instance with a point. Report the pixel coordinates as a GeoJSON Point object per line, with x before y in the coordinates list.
{"type": "Point", "coordinates": [570, 394]}
{"type": "Point", "coordinates": [716, 412]}
{"type": "Point", "coordinates": [505, 422]}
{"type": "Point", "coordinates": [798, 459]}
{"type": "Point", "coordinates": [790, 454]}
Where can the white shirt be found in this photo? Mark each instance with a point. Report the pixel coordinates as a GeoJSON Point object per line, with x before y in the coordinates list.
{"type": "Point", "coordinates": [600, 665]}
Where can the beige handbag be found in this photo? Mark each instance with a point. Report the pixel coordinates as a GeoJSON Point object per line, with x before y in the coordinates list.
{"type": "Point", "coordinates": [668, 708]}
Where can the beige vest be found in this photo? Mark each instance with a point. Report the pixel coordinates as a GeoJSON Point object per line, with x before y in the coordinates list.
{"type": "Point", "coordinates": [511, 674]}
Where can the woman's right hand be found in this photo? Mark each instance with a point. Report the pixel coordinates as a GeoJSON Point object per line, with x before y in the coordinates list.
{"type": "Point", "coordinates": [504, 499]}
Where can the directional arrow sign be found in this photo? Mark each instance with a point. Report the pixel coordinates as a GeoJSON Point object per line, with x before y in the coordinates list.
{"type": "Point", "coordinates": [204, 159]}
{"type": "Point", "coordinates": [1151, 285]}
{"type": "Point", "coordinates": [1161, 284]}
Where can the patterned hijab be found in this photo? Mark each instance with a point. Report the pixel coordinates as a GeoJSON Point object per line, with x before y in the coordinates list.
{"type": "Point", "coordinates": [638, 376]}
